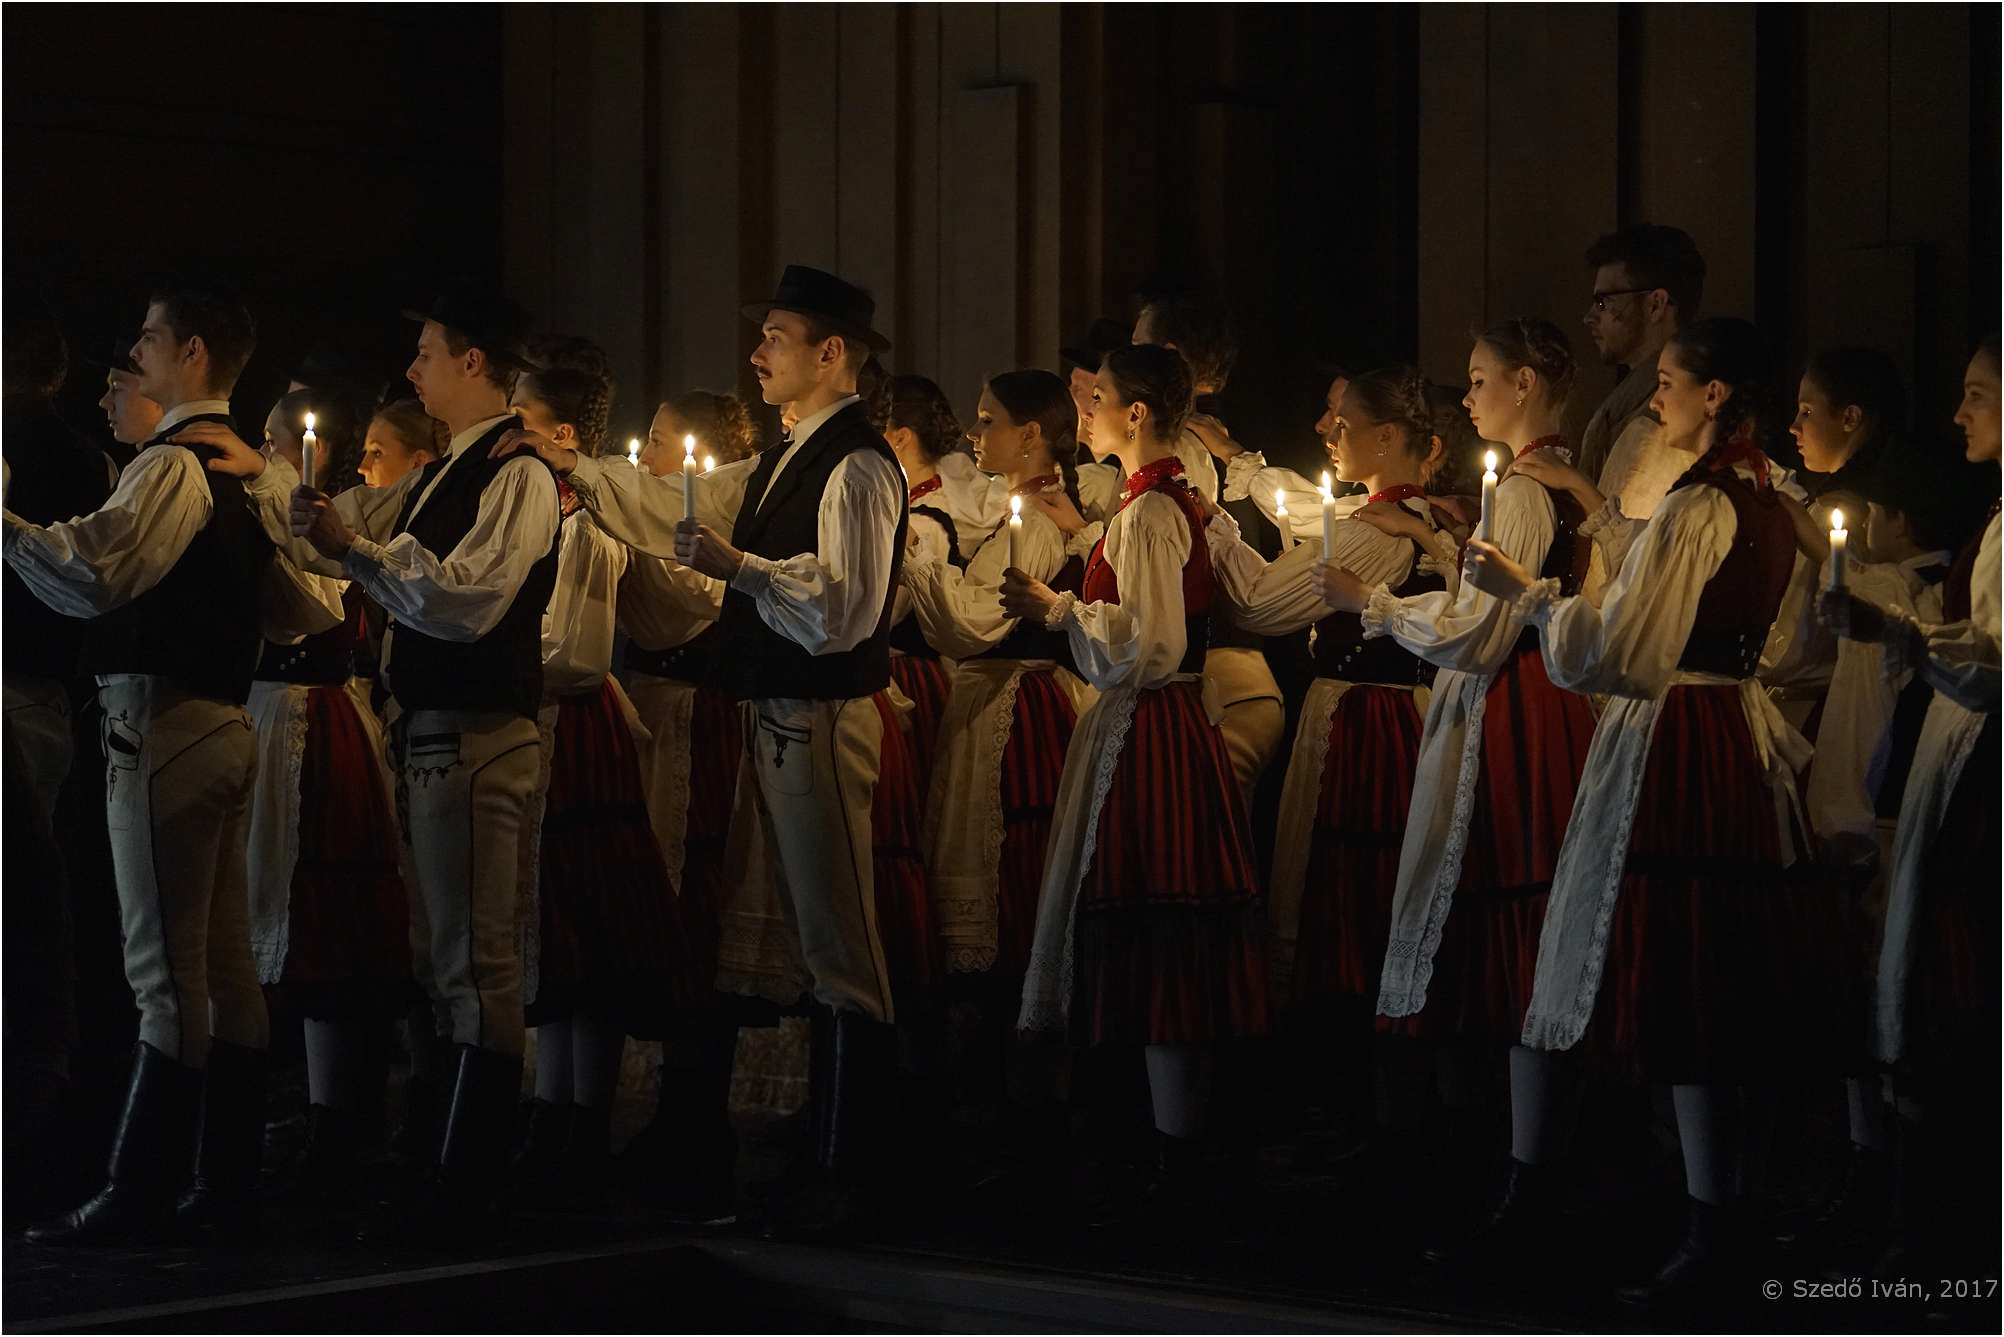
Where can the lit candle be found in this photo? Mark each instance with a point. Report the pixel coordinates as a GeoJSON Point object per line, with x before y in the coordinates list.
{"type": "Point", "coordinates": [689, 477]}
{"type": "Point", "coordinates": [1328, 514]}
{"type": "Point", "coordinates": [1015, 529]}
{"type": "Point", "coordinates": [1839, 537]}
{"type": "Point", "coordinates": [307, 446]}
{"type": "Point", "coordinates": [633, 451]}
{"type": "Point", "coordinates": [1487, 531]}
{"type": "Point", "coordinates": [1280, 519]}
{"type": "Point", "coordinates": [709, 463]}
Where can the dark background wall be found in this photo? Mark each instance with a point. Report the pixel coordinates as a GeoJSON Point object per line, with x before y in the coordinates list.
{"type": "Point", "coordinates": [1363, 182]}
{"type": "Point", "coordinates": [333, 160]}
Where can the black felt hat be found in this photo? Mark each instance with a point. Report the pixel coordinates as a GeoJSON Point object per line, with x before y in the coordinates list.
{"type": "Point", "coordinates": [496, 325]}
{"type": "Point", "coordinates": [1105, 336]}
{"type": "Point", "coordinates": [116, 357]}
{"type": "Point", "coordinates": [817, 293]}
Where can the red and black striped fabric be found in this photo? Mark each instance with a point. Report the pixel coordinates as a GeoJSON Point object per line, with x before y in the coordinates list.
{"type": "Point", "coordinates": [1721, 962]}
{"type": "Point", "coordinates": [1353, 858]}
{"type": "Point", "coordinates": [1169, 943]}
{"type": "Point", "coordinates": [903, 896]}
{"type": "Point", "coordinates": [348, 944]}
{"type": "Point", "coordinates": [1535, 738]}
{"type": "Point", "coordinates": [612, 931]}
{"type": "Point", "coordinates": [1032, 764]}
{"type": "Point", "coordinates": [923, 679]}
{"type": "Point", "coordinates": [1951, 1032]}
{"type": "Point", "coordinates": [716, 746]}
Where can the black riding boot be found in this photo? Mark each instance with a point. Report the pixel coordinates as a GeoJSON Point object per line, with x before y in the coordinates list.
{"type": "Point", "coordinates": [149, 1158]}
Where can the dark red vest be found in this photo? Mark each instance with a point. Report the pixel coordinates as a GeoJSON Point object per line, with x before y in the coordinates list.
{"type": "Point", "coordinates": [1737, 609]}
{"type": "Point", "coordinates": [1100, 585]}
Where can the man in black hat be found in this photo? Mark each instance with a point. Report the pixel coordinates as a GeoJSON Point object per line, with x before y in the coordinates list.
{"type": "Point", "coordinates": [168, 572]}
{"type": "Point", "coordinates": [808, 556]}
{"type": "Point", "coordinates": [462, 556]}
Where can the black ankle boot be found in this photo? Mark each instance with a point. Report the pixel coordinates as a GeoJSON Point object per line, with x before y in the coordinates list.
{"type": "Point", "coordinates": [149, 1157]}
{"type": "Point", "coordinates": [1521, 1223]}
{"type": "Point", "coordinates": [1851, 1229]}
{"type": "Point", "coordinates": [862, 1065]}
{"type": "Point", "coordinates": [1704, 1266]}
{"type": "Point", "coordinates": [473, 1150]}
{"type": "Point", "coordinates": [223, 1199]}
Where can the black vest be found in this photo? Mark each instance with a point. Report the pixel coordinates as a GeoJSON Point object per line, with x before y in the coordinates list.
{"type": "Point", "coordinates": [199, 627]}
{"type": "Point", "coordinates": [503, 670]}
{"type": "Point", "coordinates": [1340, 650]}
{"type": "Point", "coordinates": [753, 660]}
{"type": "Point", "coordinates": [55, 475]}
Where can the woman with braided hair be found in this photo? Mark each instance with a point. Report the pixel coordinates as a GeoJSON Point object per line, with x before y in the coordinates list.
{"type": "Point", "coordinates": [329, 920]}
{"type": "Point", "coordinates": [607, 951]}
{"type": "Point", "coordinates": [1501, 752]}
{"type": "Point", "coordinates": [1013, 703]}
{"type": "Point", "coordinates": [1149, 922]}
{"type": "Point", "coordinates": [1677, 947]}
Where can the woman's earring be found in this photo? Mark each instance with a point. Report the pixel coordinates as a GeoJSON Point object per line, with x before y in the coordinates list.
{"type": "Point", "coordinates": [1520, 401]}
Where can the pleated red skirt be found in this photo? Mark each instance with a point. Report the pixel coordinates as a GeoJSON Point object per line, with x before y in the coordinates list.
{"type": "Point", "coordinates": [1353, 861]}
{"type": "Point", "coordinates": [1169, 943]}
{"type": "Point", "coordinates": [923, 679]}
{"type": "Point", "coordinates": [1535, 738]}
{"type": "Point", "coordinates": [611, 927]}
{"type": "Point", "coordinates": [716, 746]}
{"type": "Point", "coordinates": [1033, 762]}
{"type": "Point", "coordinates": [904, 899]}
{"type": "Point", "coordinates": [1951, 1032]}
{"type": "Point", "coordinates": [349, 940]}
{"type": "Point", "coordinates": [1721, 964]}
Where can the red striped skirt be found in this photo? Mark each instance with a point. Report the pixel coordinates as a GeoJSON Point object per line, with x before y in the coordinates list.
{"type": "Point", "coordinates": [1951, 1031]}
{"type": "Point", "coordinates": [923, 679]}
{"type": "Point", "coordinates": [612, 932]}
{"type": "Point", "coordinates": [716, 746]}
{"type": "Point", "coordinates": [1169, 945]}
{"type": "Point", "coordinates": [349, 938]}
{"type": "Point", "coordinates": [1535, 738]}
{"type": "Point", "coordinates": [1033, 762]}
{"type": "Point", "coordinates": [1721, 963]}
{"type": "Point", "coordinates": [1353, 860]}
{"type": "Point", "coordinates": [904, 899]}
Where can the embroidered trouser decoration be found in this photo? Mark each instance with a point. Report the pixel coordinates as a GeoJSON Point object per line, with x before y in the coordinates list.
{"type": "Point", "coordinates": [178, 779]}
{"type": "Point", "coordinates": [465, 782]}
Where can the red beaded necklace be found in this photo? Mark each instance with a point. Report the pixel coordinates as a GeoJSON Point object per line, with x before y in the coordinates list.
{"type": "Point", "coordinates": [1148, 475]}
{"type": "Point", "coordinates": [1396, 493]}
{"type": "Point", "coordinates": [1034, 485]}
{"type": "Point", "coordinates": [927, 488]}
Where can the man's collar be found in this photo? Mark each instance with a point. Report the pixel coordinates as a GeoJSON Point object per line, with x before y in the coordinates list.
{"type": "Point", "coordinates": [187, 409]}
{"type": "Point", "coordinates": [466, 438]}
{"type": "Point", "coordinates": [807, 426]}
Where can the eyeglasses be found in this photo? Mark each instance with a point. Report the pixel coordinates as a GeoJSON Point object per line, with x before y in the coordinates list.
{"type": "Point", "coordinates": [1600, 298]}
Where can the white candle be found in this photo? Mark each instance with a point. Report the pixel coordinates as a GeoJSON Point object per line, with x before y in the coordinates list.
{"type": "Point", "coordinates": [1015, 529]}
{"type": "Point", "coordinates": [1487, 530]}
{"type": "Point", "coordinates": [633, 451]}
{"type": "Point", "coordinates": [1839, 538]}
{"type": "Point", "coordinates": [689, 477]}
{"type": "Point", "coordinates": [1280, 519]}
{"type": "Point", "coordinates": [1328, 515]}
{"type": "Point", "coordinates": [307, 446]}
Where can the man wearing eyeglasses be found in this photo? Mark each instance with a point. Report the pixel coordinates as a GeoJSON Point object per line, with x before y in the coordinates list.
{"type": "Point", "coordinates": [1647, 281]}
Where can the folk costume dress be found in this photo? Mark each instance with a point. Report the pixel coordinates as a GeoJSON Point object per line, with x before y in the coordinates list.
{"type": "Point", "coordinates": [1349, 780]}
{"type": "Point", "coordinates": [609, 925]}
{"type": "Point", "coordinates": [1149, 926]}
{"type": "Point", "coordinates": [952, 513]}
{"type": "Point", "coordinates": [1007, 724]}
{"type": "Point", "coordinates": [1672, 942]}
{"type": "Point", "coordinates": [1500, 761]}
{"type": "Point", "coordinates": [1938, 972]}
{"type": "Point", "coordinates": [695, 739]}
{"type": "Point", "coordinates": [329, 914]}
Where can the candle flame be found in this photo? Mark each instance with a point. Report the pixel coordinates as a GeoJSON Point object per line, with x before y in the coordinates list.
{"type": "Point", "coordinates": [309, 422]}
{"type": "Point", "coordinates": [1280, 498]}
{"type": "Point", "coordinates": [1015, 508]}
{"type": "Point", "coordinates": [633, 447]}
{"type": "Point", "coordinates": [689, 447]}
{"type": "Point", "coordinates": [709, 463]}
{"type": "Point", "coordinates": [1836, 522]}
{"type": "Point", "coordinates": [1489, 460]}
{"type": "Point", "coordinates": [1328, 485]}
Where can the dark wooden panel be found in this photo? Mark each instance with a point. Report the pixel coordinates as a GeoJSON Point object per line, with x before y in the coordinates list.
{"type": "Point", "coordinates": [806, 112]}
{"type": "Point", "coordinates": [608, 279]}
{"type": "Point", "coordinates": [1453, 195]}
{"type": "Point", "coordinates": [980, 282]}
{"type": "Point", "coordinates": [1032, 39]}
{"type": "Point", "coordinates": [528, 224]}
{"type": "Point", "coordinates": [706, 340]}
{"type": "Point", "coordinates": [867, 151]}
{"type": "Point", "coordinates": [919, 293]}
